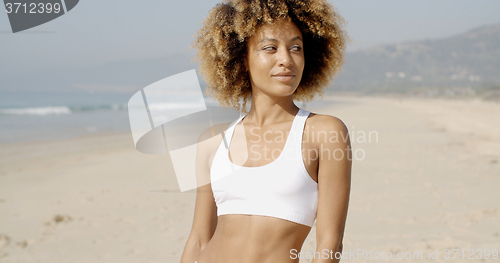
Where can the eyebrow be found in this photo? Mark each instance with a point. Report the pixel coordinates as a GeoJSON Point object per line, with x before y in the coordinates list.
{"type": "Point", "coordinates": [273, 39]}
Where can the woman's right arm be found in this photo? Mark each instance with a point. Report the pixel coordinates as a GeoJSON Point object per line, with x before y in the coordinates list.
{"type": "Point", "coordinates": [205, 214]}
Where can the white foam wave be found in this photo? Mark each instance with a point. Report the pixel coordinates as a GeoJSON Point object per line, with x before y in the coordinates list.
{"type": "Point", "coordinates": [36, 111]}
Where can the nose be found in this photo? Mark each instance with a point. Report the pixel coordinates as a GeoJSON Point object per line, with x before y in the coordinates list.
{"type": "Point", "coordinates": [285, 58]}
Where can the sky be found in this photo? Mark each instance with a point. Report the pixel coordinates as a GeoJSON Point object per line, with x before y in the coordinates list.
{"type": "Point", "coordinates": [102, 32]}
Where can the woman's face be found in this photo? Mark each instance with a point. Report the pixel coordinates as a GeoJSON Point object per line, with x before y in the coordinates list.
{"type": "Point", "coordinates": [275, 50]}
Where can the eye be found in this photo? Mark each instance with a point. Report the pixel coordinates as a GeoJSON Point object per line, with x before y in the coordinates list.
{"type": "Point", "coordinates": [297, 48]}
{"type": "Point", "coordinates": [269, 48]}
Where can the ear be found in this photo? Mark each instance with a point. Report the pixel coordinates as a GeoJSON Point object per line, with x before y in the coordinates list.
{"type": "Point", "coordinates": [245, 62]}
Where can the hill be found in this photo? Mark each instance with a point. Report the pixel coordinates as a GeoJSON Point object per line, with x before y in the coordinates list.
{"type": "Point", "coordinates": [468, 62]}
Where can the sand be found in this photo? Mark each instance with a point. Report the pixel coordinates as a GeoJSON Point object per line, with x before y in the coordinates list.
{"type": "Point", "coordinates": [427, 179]}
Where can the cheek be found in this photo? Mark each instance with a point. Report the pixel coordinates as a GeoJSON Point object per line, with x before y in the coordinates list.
{"type": "Point", "coordinates": [261, 64]}
{"type": "Point", "coordinates": [300, 61]}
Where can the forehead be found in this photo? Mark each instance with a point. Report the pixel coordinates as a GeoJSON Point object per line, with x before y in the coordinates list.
{"type": "Point", "coordinates": [284, 30]}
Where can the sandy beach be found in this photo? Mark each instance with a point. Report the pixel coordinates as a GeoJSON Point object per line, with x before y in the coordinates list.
{"type": "Point", "coordinates": [425, 178]}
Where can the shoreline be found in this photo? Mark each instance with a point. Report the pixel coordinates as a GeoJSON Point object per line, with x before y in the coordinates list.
{"type": "Point", "coordinates": [335, 97]}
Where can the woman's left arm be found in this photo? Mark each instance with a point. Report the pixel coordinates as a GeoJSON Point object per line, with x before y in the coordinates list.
{"type": "Point", "coordinates": [334, 183]}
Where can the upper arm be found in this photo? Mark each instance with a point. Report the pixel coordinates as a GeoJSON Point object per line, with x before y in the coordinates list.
{"type": "Point", "coordinates": [205, 214]}
{"type": "Point", "coordinates": [334, 179]}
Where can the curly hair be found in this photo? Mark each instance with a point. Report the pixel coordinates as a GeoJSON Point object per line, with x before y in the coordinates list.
{"type": "Point", "coordinates": [222, 45]}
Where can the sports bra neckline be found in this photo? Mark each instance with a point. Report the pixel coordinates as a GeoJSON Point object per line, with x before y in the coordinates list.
{"type": "Point", "coordinates": [287, 142]}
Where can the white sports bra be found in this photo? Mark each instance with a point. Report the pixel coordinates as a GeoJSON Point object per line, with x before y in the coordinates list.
{"type": "Point", "coordinates": [281, 189]}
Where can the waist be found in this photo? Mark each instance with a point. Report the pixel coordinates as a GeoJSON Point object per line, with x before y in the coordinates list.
{"type": "Point", "coordinates": [251, 238]}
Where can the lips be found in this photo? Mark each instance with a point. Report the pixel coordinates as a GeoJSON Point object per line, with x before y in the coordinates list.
{"type": "Point", "coordinates": [288, 73]}
{"type": "Point", "coordinates": [284, 76]}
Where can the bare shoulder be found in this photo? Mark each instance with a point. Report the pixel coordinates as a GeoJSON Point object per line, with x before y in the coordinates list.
{"type": "Point", "coordinates": [213, 131]}
{"type": "Point", "coordinates": [325, 123]}
{"type": "Point", "coordinates": [209, 139]}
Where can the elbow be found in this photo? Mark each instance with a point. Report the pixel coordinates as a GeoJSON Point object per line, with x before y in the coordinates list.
{"type": "Point", "coordinates": [198, 244]}
{"type": "Point", "coordinates": [193, 249]}
{"type": "Point", "coordinates": [336, 247]}
{"type": "Point", "coordinates": [333, 249]}
{"type": "Point", "coordinates": [332, 245]}
{"type": "Point", "coordinates": [340, 247]}
{"type": "Point", "coordinates": [203, 245]}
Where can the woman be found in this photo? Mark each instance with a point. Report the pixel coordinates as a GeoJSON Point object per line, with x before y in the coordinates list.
{"type": "Point", "coordinates": [289, 166]}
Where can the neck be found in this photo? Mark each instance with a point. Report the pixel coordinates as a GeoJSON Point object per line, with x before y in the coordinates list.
{"type": "Point", "coordinates": [265, 110]}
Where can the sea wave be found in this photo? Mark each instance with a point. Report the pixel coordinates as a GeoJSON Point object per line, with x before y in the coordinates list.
{"type": "Point", "coordinates": [36, 111]}
{"type": "Point", "coordinates": [58, 110]}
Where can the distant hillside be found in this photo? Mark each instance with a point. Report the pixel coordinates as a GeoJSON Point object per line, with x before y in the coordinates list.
{"type": "Point", "coordinates": [467, 63]}
{"type": "Point", "coordinates": [469, 60]}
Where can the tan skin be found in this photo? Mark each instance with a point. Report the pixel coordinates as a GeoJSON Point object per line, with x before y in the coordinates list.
{"type": "Point", "coordinates": [260, 239]}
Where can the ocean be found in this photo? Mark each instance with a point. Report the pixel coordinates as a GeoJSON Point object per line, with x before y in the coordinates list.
{"type": "Point", "coordinates": [42, 116]}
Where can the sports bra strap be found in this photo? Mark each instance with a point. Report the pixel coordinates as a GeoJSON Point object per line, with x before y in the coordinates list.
{"type": "Point", "coordinates": [296, 131]}
{"type": "Point", "coordinates": [298, 125]}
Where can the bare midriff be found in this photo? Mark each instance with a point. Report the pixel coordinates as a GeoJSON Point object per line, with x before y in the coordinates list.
{"type": "Point", "coordinates": [254, 239]}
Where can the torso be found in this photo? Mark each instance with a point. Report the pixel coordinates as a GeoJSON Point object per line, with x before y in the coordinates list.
{"type": "Point", "coordinates": [252, 238]}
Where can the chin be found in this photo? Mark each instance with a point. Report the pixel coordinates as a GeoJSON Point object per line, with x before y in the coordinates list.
{"type": "Point", "coordinates": [285, 91]}
{"type": "Point", "coordinates": [278, 89]}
